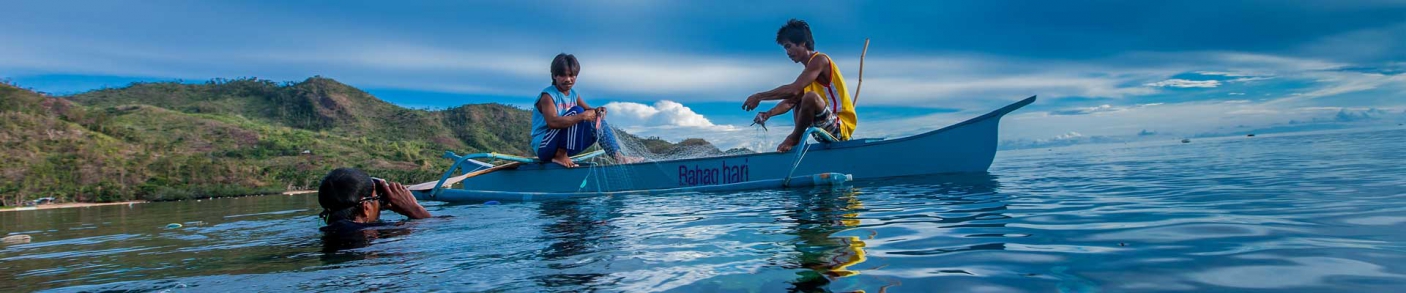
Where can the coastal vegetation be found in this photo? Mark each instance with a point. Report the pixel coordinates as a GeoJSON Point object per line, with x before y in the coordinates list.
{"type": "Point", "coordinates": [230, 137]}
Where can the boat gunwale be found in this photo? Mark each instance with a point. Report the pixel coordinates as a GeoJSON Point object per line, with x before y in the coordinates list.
{"type": "Point", "coordinates": [826, 146]}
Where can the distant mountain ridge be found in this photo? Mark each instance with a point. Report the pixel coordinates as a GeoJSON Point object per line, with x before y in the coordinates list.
{"type": "Point", "coordinates": [323, 104]}
{"type": "Point", "coordinates": [169, 140]}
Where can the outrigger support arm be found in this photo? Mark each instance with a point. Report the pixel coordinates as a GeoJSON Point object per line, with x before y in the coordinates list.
{"type": "Point", "coordinates": [435, 186]}
{"type": "Point", "coordinates": [459, 161]}
{"type": "Point", "coordinates": [824, 137]}
{"type": "Point", "coordinates": [821, 135]}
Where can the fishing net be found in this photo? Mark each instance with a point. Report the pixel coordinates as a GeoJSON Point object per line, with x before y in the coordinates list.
{"type": "Point", "coordinates": [647, 150]}
{"type": "Point", "coordinates": [651, 149]}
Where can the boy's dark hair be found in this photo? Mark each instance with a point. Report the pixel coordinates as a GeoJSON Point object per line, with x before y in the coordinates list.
{"type": "Point", "coordinates": [564, 64]}
{"type": "Point", "coordinates": [797, 32]}
{"type": "Point", "coordinates": [340, 191]}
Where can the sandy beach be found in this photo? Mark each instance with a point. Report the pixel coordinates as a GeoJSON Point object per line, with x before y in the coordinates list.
{"type": "Point", "coordinates": [70, 205]}
{"type": "Point", "coordinates": [93, 204]}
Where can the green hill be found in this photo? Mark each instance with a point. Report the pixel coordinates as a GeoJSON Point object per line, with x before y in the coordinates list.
{"type": "Point", "coordinates": [165, 141]}
{"type": "Point", "coordinates": [322, 104]}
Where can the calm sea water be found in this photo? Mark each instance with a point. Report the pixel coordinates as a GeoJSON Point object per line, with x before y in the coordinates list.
{"type": "Point", "coordinates": [1309, 212]}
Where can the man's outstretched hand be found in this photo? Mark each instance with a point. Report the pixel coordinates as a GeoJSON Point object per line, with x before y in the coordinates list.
{"type": "Point", "coordinates": [752, 102]}
{"type": "Point", "coordinates": [761, 118]}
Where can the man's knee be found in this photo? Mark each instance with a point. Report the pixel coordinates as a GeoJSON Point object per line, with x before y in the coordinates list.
{"type": "Point", "coordinates": [573, 111]}
{"type": "Point", "coordinates": [812, 100]}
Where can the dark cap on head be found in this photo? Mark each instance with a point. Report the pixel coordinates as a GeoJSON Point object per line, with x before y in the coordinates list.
{"type": "Point", "coordinates": [342, 189]}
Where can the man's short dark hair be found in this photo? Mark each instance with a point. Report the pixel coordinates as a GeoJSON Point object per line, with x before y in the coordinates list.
{"type": "Point", "coordinates": [797, 32]}
{"type": "Point", "coordinates": [340, 191]}
{"type": "Point", "coordinates": [565, 64]}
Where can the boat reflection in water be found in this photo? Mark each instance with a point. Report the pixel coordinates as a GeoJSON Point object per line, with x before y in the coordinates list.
{"type": "Point", "coordinates": [817, 216]}
{"type": "Point", "coordinates": [827, 239]}
{"type": "Point", "coordinates": [820, 215]}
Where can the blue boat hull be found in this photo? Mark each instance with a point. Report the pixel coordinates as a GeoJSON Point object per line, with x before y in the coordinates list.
{"type": "Point", "coordinates": [969, 146]}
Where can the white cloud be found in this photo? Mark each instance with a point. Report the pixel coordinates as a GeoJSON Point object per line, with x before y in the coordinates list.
{"type": "Point", "coordinates": [1185, 119]}
{"type": "Point", "coordinates": [1183, 83]}
{"type": "Point", "coordinates": [961, 92]}
{"type": "Point", "coordinates": [1069, 135]}
{"type": "Point", "coordinates": [673, 122]}
{"type": "Point", "coordinates": [1352, 114]}
{"type": "Point", "coordinates": [1223, 73]}
{"type": "Point", "coordinates": [947, 80]}
{"type": "Point", "coordinates": [663, 113]}
{"type": "Point", "coordinates": [687, 77]}
{"type": "Point", "coordinates": [1253, 112]}
{"type": "Point", "coordinates": [1175, 119]}
{"type": "Point", "coordinates": [976, 81]}
{"type": "Point", "coordinates": [1342, 82]}
{"type": "Point", "coordinates": [1251, 78]}
{"type": "Point", "coordinates": [1088, 110]}
{"type": "Point", "coordinates": [1364, 44]}
{"type": "Point", "coordinates": [1105, 108]}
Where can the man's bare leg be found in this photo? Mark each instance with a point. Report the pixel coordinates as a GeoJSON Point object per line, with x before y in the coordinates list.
{"type": "Point", "coordinates": [562, 159]}
{"type": "Point", "coordinates": [804, 113]}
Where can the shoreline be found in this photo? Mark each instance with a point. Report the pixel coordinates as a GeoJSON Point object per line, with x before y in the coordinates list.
{"type": "Point", "coordinates": [70, 205]}
{"type": "Point", "coordinates": [95, 204]}
{"type": "Point", "coordinates": [297, 192]}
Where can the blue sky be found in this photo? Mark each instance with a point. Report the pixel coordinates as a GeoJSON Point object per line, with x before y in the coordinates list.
{"type": "Point", "coordinates": [681, 69]}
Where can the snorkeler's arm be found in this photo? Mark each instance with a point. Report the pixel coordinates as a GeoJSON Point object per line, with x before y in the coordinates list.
{"type": "Point", "coordinates": [812, 71]}
{"type": "Point", "coordinates": [547, 107]}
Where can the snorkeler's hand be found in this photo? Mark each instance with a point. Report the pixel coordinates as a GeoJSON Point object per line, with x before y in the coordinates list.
{"type": "Point", "coordinates": [400, 200]}
{"type": "Point", "coordinates": [752, 102]}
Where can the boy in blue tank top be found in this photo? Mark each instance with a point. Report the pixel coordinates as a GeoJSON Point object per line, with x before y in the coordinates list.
{"type": "Point", "coordinates": [563, 125]}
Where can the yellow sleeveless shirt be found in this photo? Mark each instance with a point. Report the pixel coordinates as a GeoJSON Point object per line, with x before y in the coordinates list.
{"type": "Point", "coordinates": [836, 97]}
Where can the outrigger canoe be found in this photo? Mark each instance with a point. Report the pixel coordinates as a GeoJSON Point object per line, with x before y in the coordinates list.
{"type": "Point", "coordinates": [964, 147]}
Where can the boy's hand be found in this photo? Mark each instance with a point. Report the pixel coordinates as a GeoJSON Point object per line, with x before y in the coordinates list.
{"type": "Point", "coordinates": [588, 115]}
{"type": "Point", "coordinates": [752, 102]}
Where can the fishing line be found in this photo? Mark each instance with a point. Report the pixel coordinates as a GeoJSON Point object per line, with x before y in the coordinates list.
{"type": "Point", "coordinates": [600, 133]}
{"type": "Point", "coordinates": [805, 143]}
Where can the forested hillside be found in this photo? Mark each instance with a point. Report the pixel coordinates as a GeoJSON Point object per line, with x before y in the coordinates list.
{"type": "Point", "coordinates": [164, 141]}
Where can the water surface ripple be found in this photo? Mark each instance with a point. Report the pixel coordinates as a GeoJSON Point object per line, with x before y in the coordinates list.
{"type": "Point", "coordinates": [1308, 212]}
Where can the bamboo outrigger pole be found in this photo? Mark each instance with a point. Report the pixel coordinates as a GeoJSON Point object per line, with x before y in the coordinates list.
{"type": "Point", "coordinates": [861, 72]}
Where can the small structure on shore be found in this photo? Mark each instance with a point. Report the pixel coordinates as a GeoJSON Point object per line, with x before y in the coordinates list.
{"type": "Point", "coordinates": [15, 239]}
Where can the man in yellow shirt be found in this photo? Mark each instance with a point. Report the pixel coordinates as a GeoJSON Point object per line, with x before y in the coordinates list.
{"type": "Point", "coordinates": [818, 94]}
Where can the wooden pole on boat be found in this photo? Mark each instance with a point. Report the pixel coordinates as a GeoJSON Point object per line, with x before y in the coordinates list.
{"type": "Point", "coordinates": [493, 169]}
{"type": "Point", "coordinates": [861, 72]}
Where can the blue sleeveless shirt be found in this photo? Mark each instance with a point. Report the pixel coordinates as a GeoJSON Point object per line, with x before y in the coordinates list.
{"type": "Point", "coordinates": [539, 122]}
